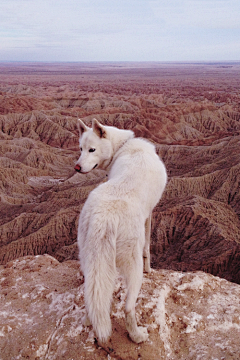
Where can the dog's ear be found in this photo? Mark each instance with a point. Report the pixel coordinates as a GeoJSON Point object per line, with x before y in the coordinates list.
{"type": "Point", "coordinates": [98, 129]}
{"type": "Point", "coordinates": [81, 127]}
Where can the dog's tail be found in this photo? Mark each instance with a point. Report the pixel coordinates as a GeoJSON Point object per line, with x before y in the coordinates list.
{"type": "Point", "coordinates": [100, 274]}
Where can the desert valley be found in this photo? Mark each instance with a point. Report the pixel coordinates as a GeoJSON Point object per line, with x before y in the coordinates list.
{"type": "Point", "coordinates": [191, 112]}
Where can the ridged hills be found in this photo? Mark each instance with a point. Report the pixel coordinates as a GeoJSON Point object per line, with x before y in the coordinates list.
{"type": "Point", "coordinates": [195, 126]}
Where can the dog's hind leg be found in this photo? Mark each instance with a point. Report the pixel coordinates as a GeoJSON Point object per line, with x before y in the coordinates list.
{"type": "Point", "coordinates": [146, 250]}
{"type": "Point", "coordinates": [133, 274]}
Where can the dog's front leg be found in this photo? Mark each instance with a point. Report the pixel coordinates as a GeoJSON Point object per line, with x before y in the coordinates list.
{"type": "Point", "coordinates": [146, 249]}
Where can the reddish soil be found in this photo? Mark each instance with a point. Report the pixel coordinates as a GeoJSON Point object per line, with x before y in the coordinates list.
{"type": "Point", "coordinates": [190, 111]}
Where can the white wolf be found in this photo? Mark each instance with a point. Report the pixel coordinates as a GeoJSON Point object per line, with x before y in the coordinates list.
{"type": "Point", "coordinates": [115, 222]}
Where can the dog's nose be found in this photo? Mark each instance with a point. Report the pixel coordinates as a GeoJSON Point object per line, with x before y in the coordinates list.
{"type": "Point", "coordinates": [77, 167]}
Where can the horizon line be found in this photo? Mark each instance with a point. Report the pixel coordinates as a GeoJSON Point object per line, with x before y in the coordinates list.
{"type": "Point", "coordinates": [120, 61]}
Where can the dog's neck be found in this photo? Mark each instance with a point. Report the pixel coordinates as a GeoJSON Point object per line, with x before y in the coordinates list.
{"type": "Point", "coordinates": [118, 138]}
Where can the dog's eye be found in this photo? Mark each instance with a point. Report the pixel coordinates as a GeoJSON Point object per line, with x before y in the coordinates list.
{"type": "Point", "coordinates": [81, 149]}
{"type": "Point", "coordinates": [92, 150]}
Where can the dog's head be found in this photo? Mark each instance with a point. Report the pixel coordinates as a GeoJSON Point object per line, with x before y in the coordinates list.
{"type": "Point", "coordinates": [96, 150]}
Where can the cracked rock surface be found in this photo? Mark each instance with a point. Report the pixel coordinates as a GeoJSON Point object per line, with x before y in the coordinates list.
{"type": "Point", "coordinates": [188, 315]}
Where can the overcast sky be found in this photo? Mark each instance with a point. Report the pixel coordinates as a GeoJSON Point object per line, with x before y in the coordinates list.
{"type": "Point", "coordinates": [119, 30]}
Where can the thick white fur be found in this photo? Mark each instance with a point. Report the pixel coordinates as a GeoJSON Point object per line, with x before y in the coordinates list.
{"type": "Point", "coordinates": [115, 222]}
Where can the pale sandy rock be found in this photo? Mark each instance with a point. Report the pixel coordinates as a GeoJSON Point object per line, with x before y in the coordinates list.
{"type": "Point", "coordinates": [188, 315]}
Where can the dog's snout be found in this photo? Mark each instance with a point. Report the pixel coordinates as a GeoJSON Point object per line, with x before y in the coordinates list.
{"type": "Point", "coordinates": [77, 167]}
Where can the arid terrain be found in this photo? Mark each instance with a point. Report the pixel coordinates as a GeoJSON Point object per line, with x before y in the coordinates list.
{"type": "Point", "coordinates": [191, 112]}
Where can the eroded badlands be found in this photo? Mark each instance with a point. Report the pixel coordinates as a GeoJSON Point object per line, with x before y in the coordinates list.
{"type": "Point", "coordinates": [190, 111]}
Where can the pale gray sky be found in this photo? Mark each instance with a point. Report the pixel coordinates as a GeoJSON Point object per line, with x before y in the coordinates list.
{"type": "Point", "coordinates": [119, 30]}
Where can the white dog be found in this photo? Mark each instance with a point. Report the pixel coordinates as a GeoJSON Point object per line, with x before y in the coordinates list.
{"type": "Point", "coordinates": [115, 222]}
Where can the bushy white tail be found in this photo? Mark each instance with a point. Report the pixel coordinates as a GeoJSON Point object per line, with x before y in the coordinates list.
{"type": "Point", "coordinates": [100, 274]}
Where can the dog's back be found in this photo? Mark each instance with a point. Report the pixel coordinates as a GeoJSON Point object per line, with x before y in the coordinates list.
{"type": "Point", "coordinates": [138, 174]}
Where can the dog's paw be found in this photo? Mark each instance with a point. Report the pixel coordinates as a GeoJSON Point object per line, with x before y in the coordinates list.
{"type": "Point", "coordinates": [147, 270]}
{"type": "Point", "coordinates": [86, 321]}
{"type": "Point", "coordinates": [140, 335]}
{"type": "Point", "coordinates": [106, 345]}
